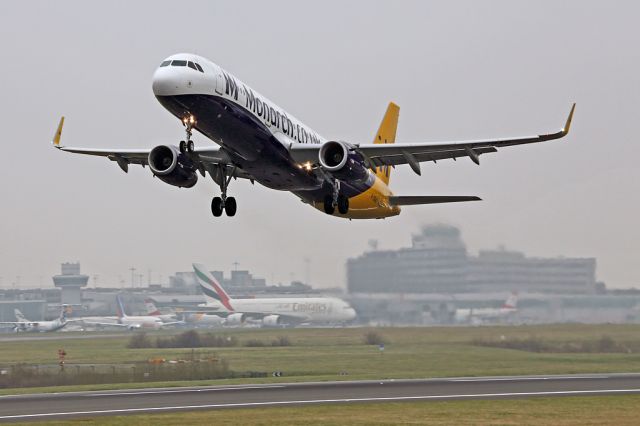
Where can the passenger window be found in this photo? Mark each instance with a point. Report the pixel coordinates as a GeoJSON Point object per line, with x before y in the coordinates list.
{"type": "Point", "coordinates": [165, 63]}
{"type": "Point", "coordinates": [179, 63]}
{"type": "Point", "coordinates": [191, 65]}
{"type": "Point", "coordinates": [199, 67]}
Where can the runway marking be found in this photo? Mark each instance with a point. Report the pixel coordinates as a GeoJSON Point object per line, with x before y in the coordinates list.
{"type": "Point", "coordinates": [520, 379]}
{"type": "Point", "coordinates": [316, 401]}
{"type": "Point", "coordinates": [152, 392]}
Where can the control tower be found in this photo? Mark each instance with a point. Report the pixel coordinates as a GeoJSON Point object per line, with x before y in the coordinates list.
{"type": "Point", "coordinates": [70, 282]}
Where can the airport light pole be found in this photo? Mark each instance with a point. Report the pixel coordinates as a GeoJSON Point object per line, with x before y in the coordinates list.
{"type": "Point", "coordinates": [133, 270]}
{"type": "Point", "coordinates": [307, 270]}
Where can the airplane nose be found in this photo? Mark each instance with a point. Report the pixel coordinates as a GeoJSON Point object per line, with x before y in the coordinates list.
{"type": "Point", "coordinates": [165, 82]}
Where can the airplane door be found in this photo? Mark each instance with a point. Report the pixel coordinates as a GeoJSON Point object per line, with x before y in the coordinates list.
{"type": "Point", "coordinates": [219, 83]}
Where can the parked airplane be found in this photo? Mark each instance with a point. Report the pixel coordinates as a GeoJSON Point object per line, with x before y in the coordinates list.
{"type": "Point", "coordinates": [133, 322]}
{"type": "Point", "coordinates": [202, 319]}
{"type": "Point", "coordinates": [24, 325]}
{"type": "Point", "coordinates": [152, 310]}
{"type": "Point", "coordinates": [472, 315]}
{"type": "Point", "coordinates": [259, 141]}
{"type": "Point", "coordinates": [272, 311]}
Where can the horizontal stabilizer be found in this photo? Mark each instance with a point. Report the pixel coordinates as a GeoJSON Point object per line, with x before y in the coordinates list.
{"type": "Point", "coordinates": [411, 200]}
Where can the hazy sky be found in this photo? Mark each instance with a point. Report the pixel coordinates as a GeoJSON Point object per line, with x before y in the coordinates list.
{"type": "Point", "coordinates": [458, 70]}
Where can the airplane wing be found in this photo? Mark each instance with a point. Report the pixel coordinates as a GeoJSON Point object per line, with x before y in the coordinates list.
{"type": "Point", "coordinates": [204, 157]}
{"type": "Point", "coordinates": [172, 323]}
{"type": "Point", "coordinates": [378, 155]}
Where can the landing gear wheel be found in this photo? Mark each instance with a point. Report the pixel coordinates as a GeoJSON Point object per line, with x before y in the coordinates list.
{"type": "Point", "coordinates": [190, 146]}
{"type": "Point", "coordinates": [343, 204]}
{"type": "Point", "coordinates": [230, 206]}
{"type": "Point", "coordinates": [222, 176]}
{"type": "Point", "coordinates": [329, 208]}
{"type": "Point", "coordinates": [183, 147]}
{"type": "Point", "coordinates": [217, 206]}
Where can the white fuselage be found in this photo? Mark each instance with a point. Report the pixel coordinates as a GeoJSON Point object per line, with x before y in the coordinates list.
{"type": "Point", "coordinates": [469, 314]}
{"type": "Point", "coordinates": [141, 321]}
{"type": "Point", "coordinates": [304, 309]}
{"type": "Point", "coordinates": [40, 326]}
{"type": "Point", "coordinates": [215, 81]}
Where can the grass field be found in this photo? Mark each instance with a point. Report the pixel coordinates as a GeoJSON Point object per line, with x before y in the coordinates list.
{"type": "Point", "coordinates": [605, 410]}
{"type": "Point", "coordinates": [323, 354]}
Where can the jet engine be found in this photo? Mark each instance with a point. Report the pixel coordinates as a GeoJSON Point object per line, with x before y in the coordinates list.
{"type": "Point", "coordinates": [172, 167]}
{"type": "Point", "coordinates": [271, 321]}
{"type": "Point", "coordinates": [235, 319]}
{"type": "Point", "coordinates": [342, 161]}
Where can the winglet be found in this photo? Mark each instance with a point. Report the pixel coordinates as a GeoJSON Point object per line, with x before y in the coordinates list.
{"type": "Point", "coordinates": [565, 129]}
{"type": "Point", "coordinates": [56, 136]}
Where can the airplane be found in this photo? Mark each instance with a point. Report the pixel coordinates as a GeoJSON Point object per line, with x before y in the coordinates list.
{"type": "Point", "coordinates": [271, 312]}
{"type": "Point", "coordinates": [152, 310]}
{"type": "Point", "coordinates": [257, 140]}
{"type": "Point", "coordinates": [472, 315]}
{"type": "Point", "coordinates": [202, 319]}
{"type": "Point", "coordinates": [24, 325]}
{"type": "Point", "coordinates": [133, 322]}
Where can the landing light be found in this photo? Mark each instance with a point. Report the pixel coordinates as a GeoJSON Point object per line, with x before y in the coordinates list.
{"type": "Point", "coordinates": [190, 119]}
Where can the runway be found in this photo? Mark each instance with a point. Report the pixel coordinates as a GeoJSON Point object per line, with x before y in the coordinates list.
{"type": "Point", "coordinates": [158, 400]}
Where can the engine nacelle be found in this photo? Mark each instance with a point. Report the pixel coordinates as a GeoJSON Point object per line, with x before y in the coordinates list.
{"type": "Point", "coordinates": [235, 319]}
{"type": "Point", "coordinates": [271, 321]}
{"type": "Point", "coordinates": [172, 167]}
{"type": "Point", "coordinates": [342, 162]}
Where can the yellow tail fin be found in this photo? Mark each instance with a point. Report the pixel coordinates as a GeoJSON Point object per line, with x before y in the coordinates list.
{"type": "Point", "coordinates": [387, 134]}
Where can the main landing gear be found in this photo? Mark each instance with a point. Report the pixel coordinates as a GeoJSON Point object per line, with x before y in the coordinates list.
{"type": "Point", "coordinates": [187, 145]}
{"type": "Point", "coordinates": [331, 201]}
{"type": "Point", "coordinates": [223, 203]}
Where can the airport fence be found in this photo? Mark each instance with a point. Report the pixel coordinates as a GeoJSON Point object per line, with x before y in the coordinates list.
{"type": "Point", "coordinates": [155, 370]}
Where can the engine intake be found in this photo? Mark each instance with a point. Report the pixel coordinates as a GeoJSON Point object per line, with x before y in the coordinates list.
{"type": "Point", "coordinates": [271, 321]}
{"type": "Point", "coordinates": [163, 160]}
{"type": "Point", "coordinates": [235, 319]}
{"type": "Point", "coordinates": [333, 155]}
{"type": "Point", "coordinates": [341, 161]}
{"type": "Point", "coordinates": [172, 167]}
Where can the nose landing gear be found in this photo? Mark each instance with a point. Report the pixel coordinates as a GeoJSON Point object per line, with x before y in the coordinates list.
{"type": "Point", "coordinates": [187, 145]}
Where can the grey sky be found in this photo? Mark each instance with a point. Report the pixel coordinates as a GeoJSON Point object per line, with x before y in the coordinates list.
{"type": "Point", "coordinates": [458, 70]}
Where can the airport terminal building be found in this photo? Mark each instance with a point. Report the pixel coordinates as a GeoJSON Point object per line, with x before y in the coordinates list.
{"type": "Point", "coordinates": [438, 262]}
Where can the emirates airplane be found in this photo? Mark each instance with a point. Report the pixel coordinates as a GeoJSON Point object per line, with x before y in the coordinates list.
{"type": "Point", "coordinates": [271, 312]}
{"type": "Point", "coordinates": [255, 139]}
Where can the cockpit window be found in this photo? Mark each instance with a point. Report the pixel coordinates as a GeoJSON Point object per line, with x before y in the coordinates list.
{"type": "Point", "coordinates": [179, 63]}
{"type": "Point", "coordinates": [192, 65]}
{"type": "Point", "coordinates": [165, 63]}
{"type": "Point", "coordinates": [199, 67]}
